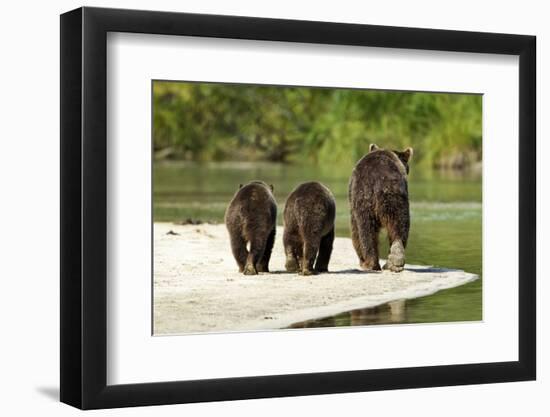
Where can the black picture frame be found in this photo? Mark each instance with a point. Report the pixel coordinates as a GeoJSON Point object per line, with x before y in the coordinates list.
{"type": "Point", "coordinates": [84, 207]}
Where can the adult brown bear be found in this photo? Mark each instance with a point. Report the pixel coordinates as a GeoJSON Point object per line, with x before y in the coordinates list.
{"type": "Point", "coordinates": [309, 228]}
{"type": "Point", "coordinates": [379, 197]}
{"type": "Point", "coordinates": [250, 219]}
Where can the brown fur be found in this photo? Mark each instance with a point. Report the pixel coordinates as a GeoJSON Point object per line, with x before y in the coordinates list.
{"type": "Point", "coordinates": [250, 219]}
{"type": "Point", "coordinates": [309, 228]}
{"type": "Point", "coordinates": [379, 197]}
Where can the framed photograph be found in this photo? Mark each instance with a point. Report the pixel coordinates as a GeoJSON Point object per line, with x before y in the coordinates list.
{"type": "Point", "coordinates": [259, 208]}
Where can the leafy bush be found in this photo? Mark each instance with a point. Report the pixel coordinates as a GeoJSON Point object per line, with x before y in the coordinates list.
{"type": "Point", "coordinates": [211, 122]}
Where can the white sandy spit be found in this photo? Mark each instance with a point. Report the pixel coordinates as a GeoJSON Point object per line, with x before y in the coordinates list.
{"type": "Point", "coordinates": [197, 286]}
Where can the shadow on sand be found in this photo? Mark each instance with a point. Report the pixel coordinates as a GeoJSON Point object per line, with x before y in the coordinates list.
{"type": "Point", "coordinates": [424, 270]}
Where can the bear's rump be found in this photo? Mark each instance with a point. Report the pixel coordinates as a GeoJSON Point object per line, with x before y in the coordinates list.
{"type": "Point", "coordinates": [309, 216]}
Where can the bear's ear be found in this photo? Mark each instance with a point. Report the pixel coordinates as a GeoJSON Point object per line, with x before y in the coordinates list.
{"type": "Point", "coordinates": [271, 186]}
{"type": "Point", "coordinates": [240, 186]}
{"type": "Point", "coordinates": [408, 153]}
{"type": "Point", "coordinates": [373, 147]}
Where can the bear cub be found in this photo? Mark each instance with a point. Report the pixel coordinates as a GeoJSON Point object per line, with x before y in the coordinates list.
{"type": "Point", "coordinates": [250, 219]}
{"type": "Point", "coordinates": [379, 197]}
{"type": "Point", "coordinates": [309, 228]}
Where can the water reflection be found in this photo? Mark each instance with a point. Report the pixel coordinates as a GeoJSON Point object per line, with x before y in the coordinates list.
{"type": "Point", "coordinates": [394, 312]}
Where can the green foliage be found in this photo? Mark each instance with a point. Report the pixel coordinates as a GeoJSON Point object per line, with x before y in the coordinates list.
{"type": "Point", "coordinates": [203, 122]}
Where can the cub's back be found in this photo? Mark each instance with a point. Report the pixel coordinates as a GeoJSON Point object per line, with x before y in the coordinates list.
{"type": "Point", "coordinates": [310, 202]}
{"type": "Point", "coordinates": [252, 201]}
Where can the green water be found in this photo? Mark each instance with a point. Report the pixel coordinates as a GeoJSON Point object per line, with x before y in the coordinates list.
{"type": "Point", "coordinates": [445, 225]}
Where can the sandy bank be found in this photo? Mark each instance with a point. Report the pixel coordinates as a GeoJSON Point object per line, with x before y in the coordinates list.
{"type": "Point", "coordinates": [197, 287]}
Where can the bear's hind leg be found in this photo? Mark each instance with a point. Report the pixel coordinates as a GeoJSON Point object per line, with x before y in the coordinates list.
{"type": "Point", "coordinates": [292, 250]}
{"type": "Point", "coordinates": [398, 233]}
{"type": "Point", "coordinates": [355, 239]}
{"type": "Point", "coordinates": [396, 257]}
{"type": "Point", "coordinates": [325, 250]}
{"type": "Point", "coordinates": [263, 264]}
{"type": "Point", "coordinates": [311, 247]}
{"type": "Point", "coordinates": [368, 232]}
{"type": "Point", "coordinates": [257, 247]}
{"type": "Point", "coordinates": [238, 247]}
